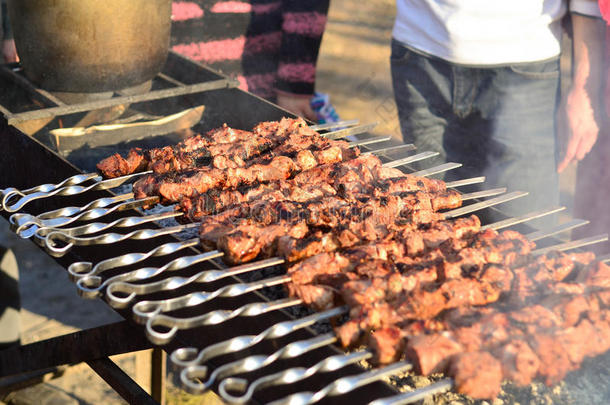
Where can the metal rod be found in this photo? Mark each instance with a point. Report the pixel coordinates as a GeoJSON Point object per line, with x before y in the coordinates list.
{"type": "Point", "coordinates": [96, 227]}
{"type": "Point", "coordinates": [191, 376]}
{"type": "Point", "coordinates": [240, 386]}
{"type": "Point", "coordinates": [369, 141]}
{"type": "Point", "coordinates": [483, 193]}
{"type": "Point", "coordinates": [132, 99]}
{"type": "Point", "coordinates": [190, 356]}
{"type": "Point", "coordinates": [26, 225]}
{"type": "Point", "coordinates": [144, 309]}
{"type": "Point", "coordinates": [575, 223]}
{"type": "Point", "coordinates": [342, 133]}
{"type": "Point", "coordinates": [407, 147]}
{"type": "Point", "coordinates": [419, 394]}
{"type": "Point", "coordinates": [572, 245]}
{"type": "Point", "coordinates": [52, 242]}
{"type": "Point", "coordinates": [24, 199]}
{"type": "Point", "coordinates": [465, 182]}
{"type": "Point", "coordinates": [211, 318]}
{"type": "Point", "coordinates": [79, 270]}
{"type": "Point", "coordinates": [331, 125]}
{"type": "Point", "coordinates": [92, 286]}
{"type": "Point", "coordinates": [344, 385]}
{"type": "Point", "coordinates": [445, 167]}
{"type": "Point", "coordinates": [410, 159]}
{"type": "Point", "coordinates": [484, 204]}
{"type": "Point", "coordinates": [523, 218]}
{"type": "Point", "coordinates": [11, 192]}
{"type": "Point", "coordinates": [147, 311]}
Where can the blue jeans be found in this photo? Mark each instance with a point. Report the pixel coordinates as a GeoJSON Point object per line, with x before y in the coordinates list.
{"type": "Point", "coordinates": [499, 122]}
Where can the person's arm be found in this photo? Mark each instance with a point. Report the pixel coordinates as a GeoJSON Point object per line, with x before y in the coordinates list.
{"type": "Point", "coordinates": [9, 52]}
{"type": "Point", "coordinates": [583, 101]}
{"type": "Point", "coordinates": [302, 29]}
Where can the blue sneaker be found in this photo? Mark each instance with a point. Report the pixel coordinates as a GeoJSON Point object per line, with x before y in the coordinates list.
{"type": "Point", "coordinates": [320, 104]}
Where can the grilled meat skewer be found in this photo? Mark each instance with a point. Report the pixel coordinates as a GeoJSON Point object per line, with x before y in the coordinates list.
{"type": "Point", "coordinates": [220, 148]}
{"type": "Point", "coordinates": [172, 187]}
{"type": "Point", "coordinates": [139, 160]}
{"type": "Point", "coordinates": [258, 227]}
{"type": "Point", "coordinates": [348, 179]}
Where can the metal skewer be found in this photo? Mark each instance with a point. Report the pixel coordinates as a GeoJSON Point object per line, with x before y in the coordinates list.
{"type": "Point", "coordinates": [26, 225]}
{"type": "Point", "coordinates": [484, 204]}
{"type": "Point", "coordinates": [20, 220]}
{"type": "Point", "coordinates": [414, 396]}
{"type": "Point", "coordinates": [331, 125]}
{"type": "Point", "coordinates": [190, 356]}
{"type": "Point", "coordinates": [445, 167]}
{"type": "Point", "coordinates": [64, 191]}
{"type": "Point", "coordinates": [145, 309]}
{"type": "Point", "coordinates": [211, 318]}
{"type": "Point", "coordinates": [369, 141]}
{"type": "Point", "coordinates": [78, 270]}
{"type": "Point", "coordinates": [407, 147]}
{"type": "Point", "coordinates": [9, 193]}
{"type": "Point", "coordinates": [342, 133]}
{"type": "Point", "coordinates": [191, 376]}
{"type": "Point", "coordinates": [344, 385]}
{"type": "Point", "coordinates": [289, 376]}
{"type": "Point", "coordinates": [572, 245]}
{"type": "Point", "coordinates": [410, 159]}
{"type": "Point", "coordinates": [92, 286]}
{"type": "Point", "coordinates": [54, 239]}
{"type": "Point", "coordinates": [568, 226]}
{"type": "Point", "coordinates": [523, 218]}
{"type": "Point", "coordinates": [465, 182]}
{"type": "Point", "coordinates": [96, 227]}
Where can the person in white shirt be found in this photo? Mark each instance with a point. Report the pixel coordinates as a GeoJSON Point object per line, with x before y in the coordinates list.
{"type": "Point", "coordinates": [478, 81]}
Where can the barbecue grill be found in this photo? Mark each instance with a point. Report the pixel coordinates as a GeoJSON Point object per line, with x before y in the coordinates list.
{"type": "Point", "coordinates": [284, 348]}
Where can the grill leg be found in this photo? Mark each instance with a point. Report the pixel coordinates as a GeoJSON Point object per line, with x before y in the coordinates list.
{"type": "Point", "coordinates": [157, 375]}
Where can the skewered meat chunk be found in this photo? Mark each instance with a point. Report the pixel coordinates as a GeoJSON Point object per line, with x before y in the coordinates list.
{"type": "Point", "coordinates": [116, 165]}
{"type": "Point", "coordinates": [182, 154]}
{"type": "Point", "coordinates": [224, 148]}
{"type": "Point", "coordinates": [173, 187]}
{"type": "Point", "coordinates": [477, 374]}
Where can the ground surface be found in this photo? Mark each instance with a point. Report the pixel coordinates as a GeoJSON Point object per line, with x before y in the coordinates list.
{"type": "Point", "coordinates": [353, 69]}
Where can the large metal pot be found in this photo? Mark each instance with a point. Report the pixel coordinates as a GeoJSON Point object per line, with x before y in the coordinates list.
{"type": "Point", "coordinates": [91, 45]}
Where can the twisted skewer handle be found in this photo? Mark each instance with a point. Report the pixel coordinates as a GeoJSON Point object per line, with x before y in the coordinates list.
{"type": "Point", "coordinates": [96, 227]}
{"type": "Point", "coordinates": [211, 318]}
{"type": "Point", "coordinates": [190, 356]}
{"type": "Point", "coordinates": [144, 309]}
{"type": "Point", "coordinates": [78, 270]}
{"type": "Point", "coordinates": [53, 241]}
{"type": "Point", "coordinates": [25, 224]}
{"type": "Point", "coordinates": [10, 193]}
{"type": "Point", "coordinates": [191, 376]}
{"type": "Point", "coordinates": [289, 376]}
{"type": "Point", "coordinates": [24, 199]}
{"type": "Point", "coordinates": [92, 286]}
{"type": "Point", "coordinates": [343, 385]}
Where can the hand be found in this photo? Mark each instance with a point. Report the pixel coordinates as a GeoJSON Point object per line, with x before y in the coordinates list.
{"type": "Point", "coordinates": [297, 104]}
{"type": "Point", "coordinates": [581, 126]}
{"type": "Point", "coordinates": [9, 52]}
